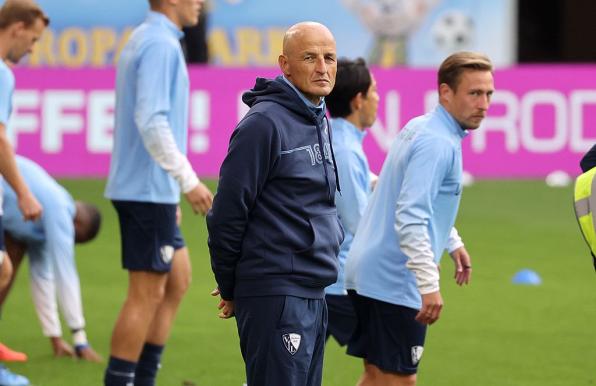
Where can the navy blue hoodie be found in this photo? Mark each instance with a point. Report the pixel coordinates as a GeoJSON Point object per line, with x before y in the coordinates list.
{"type": "Point", "coordinates": [273, 227]}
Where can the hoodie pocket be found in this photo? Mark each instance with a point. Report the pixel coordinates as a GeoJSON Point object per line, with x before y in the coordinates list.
{"type": "Point", "coordinates": [318, 262]}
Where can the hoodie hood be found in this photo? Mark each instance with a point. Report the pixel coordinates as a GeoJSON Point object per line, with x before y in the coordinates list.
{"type": "Point", "coordinates": [278, 91]}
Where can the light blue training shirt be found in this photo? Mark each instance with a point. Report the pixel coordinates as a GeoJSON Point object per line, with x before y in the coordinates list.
{"type": "Point", "coordinates": [418, 192]}
{"type": "Point", "coordinates": [152, 86]}
{"type": "Point", "coordinates": [50, 240]}
{"type": "Point", "coordinates": [6, 90]}
{"type": "Point", "coordinates": [354, 174]}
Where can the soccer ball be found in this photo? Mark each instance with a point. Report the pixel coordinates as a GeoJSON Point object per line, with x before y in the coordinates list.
{"type": "Point", "coordinates": [453, 31]}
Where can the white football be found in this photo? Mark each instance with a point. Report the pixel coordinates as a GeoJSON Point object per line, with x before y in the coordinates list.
{"type": "Point", "coordinates": [467, 179]}
{"type": "Point", "coordinates": [453, 31]}
{"type": "Point", "coordinates": [558, 179]}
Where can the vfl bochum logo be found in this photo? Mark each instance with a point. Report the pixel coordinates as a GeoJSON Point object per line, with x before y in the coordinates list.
{"type": "Point", "coordinates": [416, 354]}
{"type": "Point", "coordinates": [291, 342]}
{"type": "Point", "coordinates": [167, 253]}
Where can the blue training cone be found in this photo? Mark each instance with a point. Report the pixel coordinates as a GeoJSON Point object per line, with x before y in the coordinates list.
{"type": "Point", "coordinates": [526, 277]}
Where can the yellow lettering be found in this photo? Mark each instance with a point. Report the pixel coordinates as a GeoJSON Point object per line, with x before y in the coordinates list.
{"type": "Point", "coordinates": [43, 51]}
{"type": "Point", "coordinates": [103, 42]}
{"type": "Point", "coordinates": [72, 47]}
{"type": "Point", "coordinates": [248, 45]}
{"type": "Point", "coordinates": [275, 38]}
{"type": "Point", "coordinates": [219, 48]}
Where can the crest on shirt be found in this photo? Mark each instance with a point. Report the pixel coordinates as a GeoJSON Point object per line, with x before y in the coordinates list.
{"type": "Point", "coordinates": [291, 342]}
{"type": "Point", "coordinates": [167, 253]}
{"type": "Point", "coordinates": [416, 354]}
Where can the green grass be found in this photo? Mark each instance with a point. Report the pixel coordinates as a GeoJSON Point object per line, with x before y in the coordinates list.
{"type": "Point", "coordinates": [490, 333]}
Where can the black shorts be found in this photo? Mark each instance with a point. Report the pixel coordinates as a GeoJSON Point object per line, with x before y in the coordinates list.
{"type": "Point", "coordinates": [387, 335]}
{"type": "Point", "coordinates": [342, 318]}
{"type": "Point", "coordinates": [149, 235]}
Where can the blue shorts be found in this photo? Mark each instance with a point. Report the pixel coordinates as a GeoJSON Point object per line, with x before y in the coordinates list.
{"type": "Point", "coordinates": [149, 235]}
{"type": "Point", "coordinates": [387, 335]}
{"type": "Point", "coordinates": [282, 339]}
{"type": "Point", "coordinates": [2, 246]}
{"type": "Point", "coordinates": [342, 318]}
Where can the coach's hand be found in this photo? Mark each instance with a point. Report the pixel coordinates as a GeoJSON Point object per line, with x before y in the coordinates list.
{"type": "Point", "coordinates": [226, 307]}
{"type": "Point", "coordinates": [463, 265]}
{"type": "Point", "coordinates": [200, 198]}
{"type": "Point", "coordinates": [432, 304]}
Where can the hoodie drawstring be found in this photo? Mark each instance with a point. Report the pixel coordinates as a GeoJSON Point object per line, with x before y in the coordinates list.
{"type": "Point", "coordinates": [320, 138]}
{"type": "Point", "coordinates": [333, 155]}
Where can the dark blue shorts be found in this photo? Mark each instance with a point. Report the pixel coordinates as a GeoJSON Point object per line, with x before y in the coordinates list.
{"type": "Point", "coordinates": [282, 339]}
{"type": "Point", "coordinates": [387, 335]}
{"type": "Point", "coordinates": [342, 318]}
{"type": "Point", "coordinates": [149, 235]}
{"type": "Point", "coordinates": [2, 246]}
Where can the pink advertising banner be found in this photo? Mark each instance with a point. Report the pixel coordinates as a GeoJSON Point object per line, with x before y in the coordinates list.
{"type": "Point", "coordinates": [542, 118]}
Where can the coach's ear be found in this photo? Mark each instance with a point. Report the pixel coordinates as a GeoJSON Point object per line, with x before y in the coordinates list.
{"type": "Point", "coordinates": [283, 63]}
{"type": "Point", "coordinates": [445, 93]}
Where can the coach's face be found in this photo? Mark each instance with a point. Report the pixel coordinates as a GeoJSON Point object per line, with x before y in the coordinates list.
{"type": "Point", "coordinates": [470, 100]}
{"type": "Point", "coordinates": [309, 60]}
{"type": "Point", "coordinates": [189, 11]}
{"type": "Point", "coordinates": [24, 38]}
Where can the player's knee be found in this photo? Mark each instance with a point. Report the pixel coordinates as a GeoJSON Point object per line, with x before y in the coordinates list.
{"type": "Point", "coordinates": [5, 272]}
{"type": "Point", "coordinates": [179, 288]}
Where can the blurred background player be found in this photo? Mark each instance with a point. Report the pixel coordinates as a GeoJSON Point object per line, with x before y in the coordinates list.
{"type": "Point", "coordinates": [148, 171]}
{"type": "Point", "coordinates": [353, 107]}
{"type": "Point", "coordinates": [392, 267]}
{"type": "Point", "coordinates": [50, 245]}
{"type": "Point", "coordinates": [21, 24]}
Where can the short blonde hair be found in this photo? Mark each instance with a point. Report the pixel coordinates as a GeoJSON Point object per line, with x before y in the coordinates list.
{"type": "Point", "coordinates": [451, 69]}
{"type": "Point", "coordinates": [26, 11]}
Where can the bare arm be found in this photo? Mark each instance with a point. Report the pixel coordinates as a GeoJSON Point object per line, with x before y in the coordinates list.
{"type": "Point", "coordinates": [28, 204]}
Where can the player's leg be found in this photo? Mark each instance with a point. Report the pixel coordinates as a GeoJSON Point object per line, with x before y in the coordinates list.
{"type": "Point", "coordinates": [159, 331]}
{"type": "Point", "coordinates": [7, 275]}
{"type": "Point", "coordinates": [15, 253]}
{"type": "Point", "coordinates": [396, 345]}
{"type": "Point", "coordinates": [147, 233]}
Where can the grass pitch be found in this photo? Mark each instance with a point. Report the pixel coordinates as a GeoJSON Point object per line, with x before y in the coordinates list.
{"type": "Point", "coordinates": [491, 332]}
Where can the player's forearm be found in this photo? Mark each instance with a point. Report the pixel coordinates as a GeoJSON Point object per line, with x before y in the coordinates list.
{"type": "Point", "coordinates": [8, 166]}
{"type": "Point", "coordinates": [159, 142]}
{"type": "Point", "coordinates": [415, 244]}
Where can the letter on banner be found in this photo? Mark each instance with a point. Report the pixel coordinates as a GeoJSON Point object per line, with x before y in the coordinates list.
{"type": "Point", "coordinates": [56, 121]}
{"type": "Point", "coordinates": [100, 121]}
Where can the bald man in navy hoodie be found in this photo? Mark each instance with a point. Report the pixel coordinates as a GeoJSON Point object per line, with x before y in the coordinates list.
{"type": "Point", "coordinates": [273, 229]}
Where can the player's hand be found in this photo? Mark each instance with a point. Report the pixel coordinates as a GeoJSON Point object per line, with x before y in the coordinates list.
{"type": "Point", "coordinates": [432, 304]}
{"type": "Point", "coordinates": [30, 207]}
{"type": "Point", "coordinates": [61, 348]}
{"type": "Point", "coordinates": [463, 265]}
{"type": "Point", "coordinates": [200, 199]}
{"type": "Point", "coordinates": [226, 307]}
{"type": "Point", "coordinates": [86, 353]}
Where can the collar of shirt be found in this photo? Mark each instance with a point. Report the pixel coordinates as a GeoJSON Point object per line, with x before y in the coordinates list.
{"type": "Point", "coordinates": [452, 124]}
{"type": "Point", "coordinates": [347, 128]}
{"type": "Point", "coordinates": [158, 18]}
{"type": "Point", "coordinates": [309, 104]}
